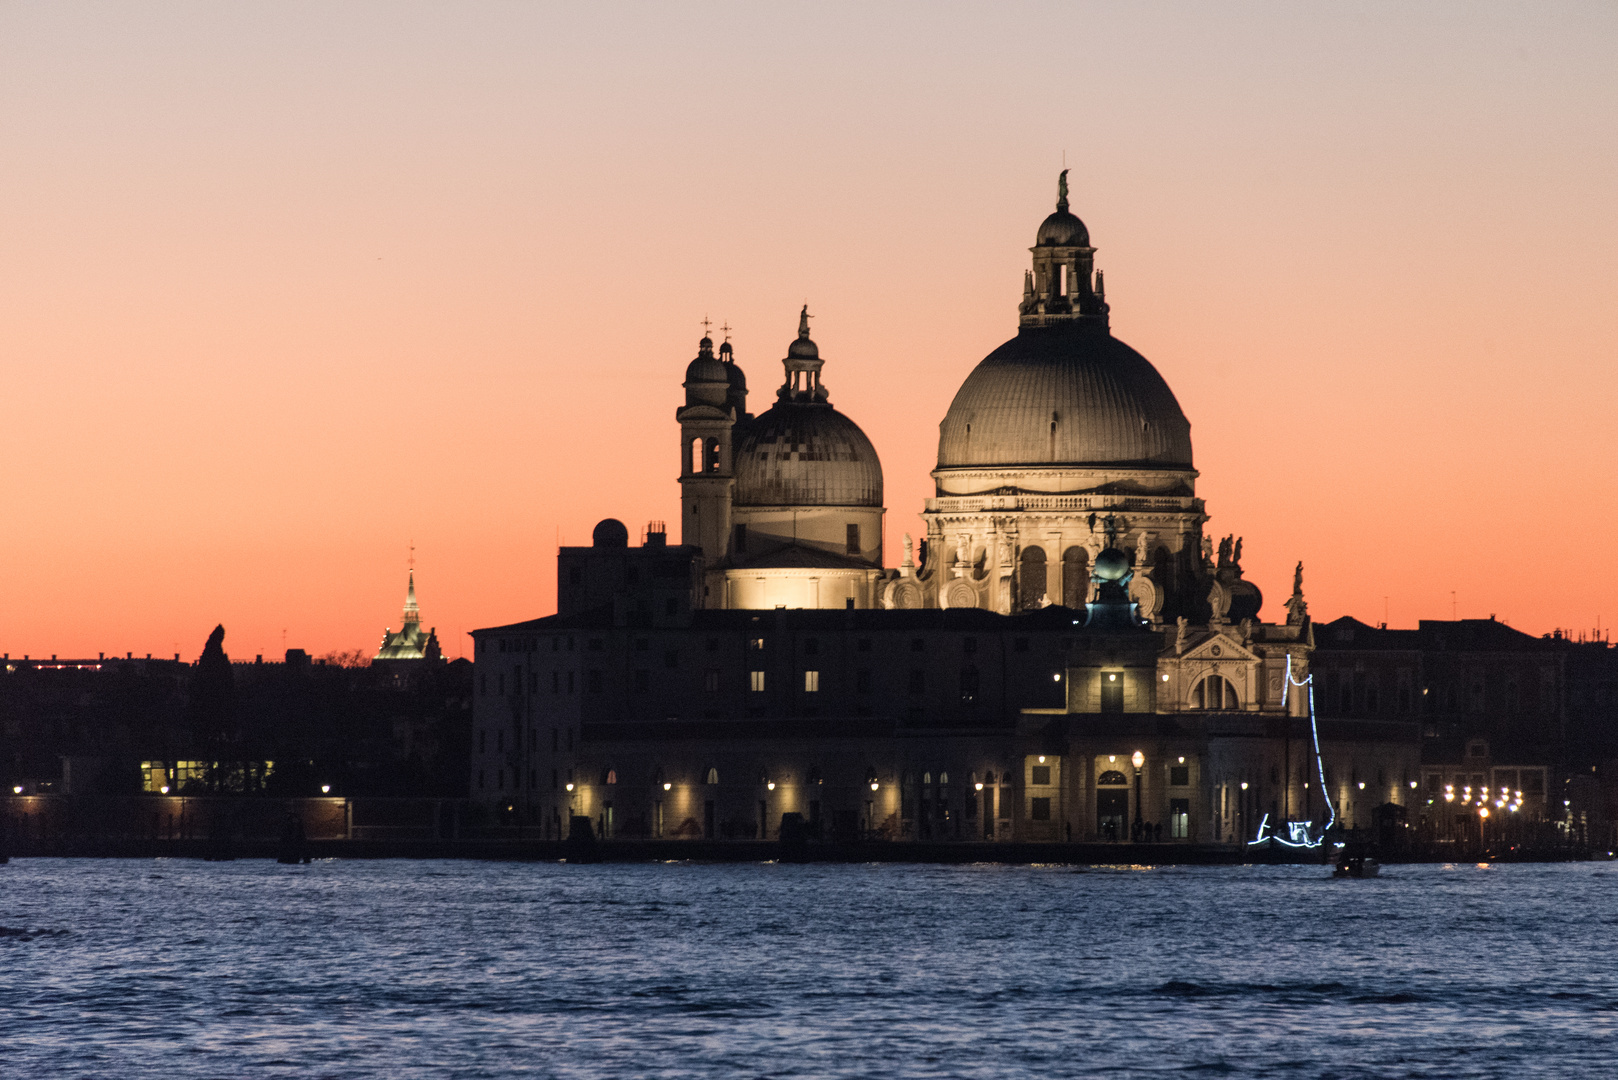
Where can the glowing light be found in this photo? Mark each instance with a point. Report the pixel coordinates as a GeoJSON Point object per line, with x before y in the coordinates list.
{"type": "Point", "coordinates": [1112, 678]}
{"type": "Point", "coordinates": [1042, 759]}
{"type": "Point", "coordinates": [979, 785]}
{"type": "Point", "coordinates": [1057, 677]}
{"type": "Point", "coordinates": [1165, 678]}
{"type": "Point", "coordinates": [1412, 785]}
{"type": "Point", "coordinates": [1138, 760]}
{"type": "Point", "coordinates": [17, 789]}
{"type": "Point", "coordinates": [874, 785]}
{"type": "Point", "coordinates": [1112, 759]}
{"type": "Point", "coordinates": [667, 786]}
{"type": "Point", "coordinates": [164, 789]}
{"type": "Point", "coordinates": [1299, 831]}
{"type": "Point", "coordinates": [1483, 811]}
{"type": "Point", "coordinates": [570, 785]}
{"type": "Point", "coordinates": [325, 789]}
{"type": "Point", "coordinates": [1182, 761]}
{"type": "Point", "coordinates": [1244, 786]}
{"type": "Point", "coordinates": [770, 785]}
{"type": "Point", "coordinates": [1362, 785]}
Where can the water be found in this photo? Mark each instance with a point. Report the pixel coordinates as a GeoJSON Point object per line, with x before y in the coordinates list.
{"type": "Point", "coordinates": [413, 969]}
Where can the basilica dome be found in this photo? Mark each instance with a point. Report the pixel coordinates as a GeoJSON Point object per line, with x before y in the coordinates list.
{"type": "Point", "coordinates": [1067, 394]}
{"type": "Point", "coordinates": [805, 454]}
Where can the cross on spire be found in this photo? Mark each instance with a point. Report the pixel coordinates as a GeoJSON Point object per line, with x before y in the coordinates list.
{"type": "Point", "coordinates": [706, 323]}
{"type": "Point", "coordinates": [412, 560]}
{"type": "Point", "coordinates": [725, 329]}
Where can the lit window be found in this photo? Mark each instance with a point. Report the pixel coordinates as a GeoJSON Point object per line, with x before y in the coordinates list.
{"type": "Point", "coordinates": [755, 681]}
{"type": "Point", "coordinates": [811, 682]}
{"type": "Point", "coordinates": [1180, 819]}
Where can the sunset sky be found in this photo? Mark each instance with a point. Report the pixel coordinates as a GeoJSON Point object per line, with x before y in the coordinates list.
{"type": "Point", "coordinates": [287, 287]}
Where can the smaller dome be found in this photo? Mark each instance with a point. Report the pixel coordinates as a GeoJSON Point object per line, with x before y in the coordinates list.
{"type": "Point", "coordinates": [1111, 565]}
{"type": "Point", "coordinates": [610, 533]}
{"type": "Point", "coordinates": [803, 349]}
{"type": "Point", "coordinates": [706, 368]}
{"type": "Point", "coordinates": [1062, 229]}
{"type": "Point", "coordinates": [805, 454]}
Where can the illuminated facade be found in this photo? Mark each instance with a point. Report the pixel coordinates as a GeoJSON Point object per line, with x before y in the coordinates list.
{"type": "Point", "coordinates": [786, 506]}
{"type": "Point", "coordinates": [1066, 658]}
{"type": "Point", "coordinates": [410, 642]}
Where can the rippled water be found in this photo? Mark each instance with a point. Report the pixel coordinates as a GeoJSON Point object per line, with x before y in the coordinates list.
{"type": "Point", "coordinates": [396, 968]}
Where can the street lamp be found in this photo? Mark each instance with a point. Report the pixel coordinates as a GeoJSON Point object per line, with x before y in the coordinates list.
{"type": "Point", "coordinates": [1138, 760]}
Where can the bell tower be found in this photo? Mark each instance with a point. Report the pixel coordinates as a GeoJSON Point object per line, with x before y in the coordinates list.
{"type": "Point", "coordinates": [715, 395]}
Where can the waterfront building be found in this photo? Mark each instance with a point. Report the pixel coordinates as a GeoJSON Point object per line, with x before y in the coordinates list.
{"type": "Point", "coordinates": [1067, 656]}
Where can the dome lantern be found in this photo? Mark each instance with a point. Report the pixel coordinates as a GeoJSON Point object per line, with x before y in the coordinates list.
{"type": "Point", "coordinates": [1058, 288]}
{"type": "Point", "coordinates": [802, 363]}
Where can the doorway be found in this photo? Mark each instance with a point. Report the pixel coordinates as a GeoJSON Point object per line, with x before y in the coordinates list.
{"type": "Point", "coordinates": [1112, 813]}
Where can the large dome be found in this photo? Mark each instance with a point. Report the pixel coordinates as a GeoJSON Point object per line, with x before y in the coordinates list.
{"type": "Point", "coordinates": [1065, 394]}
{"type": "Point", "coordinates": [805, 454]}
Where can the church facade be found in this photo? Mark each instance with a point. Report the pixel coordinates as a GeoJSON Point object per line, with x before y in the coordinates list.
{"type": "Point", "coordinates": [1067, 656]}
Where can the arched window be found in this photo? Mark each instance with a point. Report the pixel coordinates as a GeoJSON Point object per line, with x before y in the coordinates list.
{"type": "Point", "coordinates": [1075, 577]}
{"type": "Point", "coordinates": [694, 460]}
{"type": "Point", "coordinates": [1032, 577]}
{"type": "Point", "coordinates": [1215, 694]}
{"type": "Point", "coordinates": [988, 777]}
{"type": "Point", "coordinates": [1112, 778]}
{"type": "Point", "coordinates": [713, 776]}
{"type": "Point", "coordinates": [612, 776]}
{"type": "Point", "coordinates": [710, 460]}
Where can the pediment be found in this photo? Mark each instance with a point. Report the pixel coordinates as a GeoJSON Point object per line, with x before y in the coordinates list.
{"type": "Point", "coordinates": [1220, 647]}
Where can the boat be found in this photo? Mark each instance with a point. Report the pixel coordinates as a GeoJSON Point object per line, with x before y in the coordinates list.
{"type": "Point", "coordinates": [1357, 865]}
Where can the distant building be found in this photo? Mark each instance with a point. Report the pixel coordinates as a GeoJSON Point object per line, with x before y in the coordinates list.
{"type": "Point", "coordinates": [408, 648]}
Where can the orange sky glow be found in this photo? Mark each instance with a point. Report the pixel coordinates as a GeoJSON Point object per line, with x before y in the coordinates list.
{"type": "Point", "coordinates": [286, 288]}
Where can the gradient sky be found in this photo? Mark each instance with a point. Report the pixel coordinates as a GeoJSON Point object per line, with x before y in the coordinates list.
{"type": "Point", "coordinates": [285, 287]}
